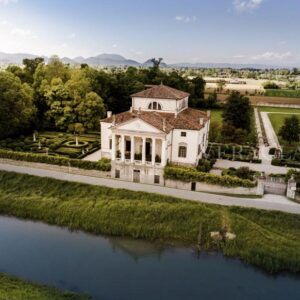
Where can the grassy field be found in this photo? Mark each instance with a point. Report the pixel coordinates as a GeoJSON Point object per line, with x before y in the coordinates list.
{"type": "Point", "coordinates": [270, 240]}
{"type": "Point", "coordinates": [12, 288]}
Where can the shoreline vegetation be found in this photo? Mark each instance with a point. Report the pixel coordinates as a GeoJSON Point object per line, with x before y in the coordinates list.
{"type": "Point", "coordinates": [267, 239]}
{"type": "Point", "coordinates": [17, 289]}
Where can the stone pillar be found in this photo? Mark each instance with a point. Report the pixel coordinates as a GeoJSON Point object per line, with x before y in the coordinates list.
{"type": "Point", "coordinates": [153, 150]}
{"type": "Point", "coordinates": [113, 147]}
{"type": "Point", "coordinates": [122, 147]}
{"type": "Point", "coordinates": [164, 153]}
{"type": "Point", "coordinates": [132, 149]}
{"type": "Point", "coordinates": [291, 188]}
{"type": "Point", "coordinates": [144, 151]}
{"type": "Point", "coordinates": [261, 184]}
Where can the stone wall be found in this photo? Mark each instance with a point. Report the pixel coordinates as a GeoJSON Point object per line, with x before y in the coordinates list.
{"type": "Point", "coordinates": [211, 188]}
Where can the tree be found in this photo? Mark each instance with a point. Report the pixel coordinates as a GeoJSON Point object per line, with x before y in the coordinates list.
{"type": "Point", "coordinates": [290, 131]}
{"type": "Point", "coordinates": [90, 111]}
{"type": "Point", "coordinates": [16, 107]}
{"type": "Point", "coordinates": [77, 129]}
{"type": "Point", "coordinates": [237, 111]}
{"type": "Point", "coordinates": [271, 85]}
{"type": "Point", "coordinates": [221, 84]}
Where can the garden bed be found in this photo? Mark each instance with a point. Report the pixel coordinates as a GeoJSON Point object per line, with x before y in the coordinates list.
{"type": "Point", "coordinates": [52, 143]}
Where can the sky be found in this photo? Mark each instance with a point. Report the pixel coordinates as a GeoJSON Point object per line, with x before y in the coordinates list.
{"type": "Point", "coordinates": [219, 31]}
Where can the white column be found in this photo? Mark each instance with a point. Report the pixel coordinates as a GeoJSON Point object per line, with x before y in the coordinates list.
{"type": "Point", "coordinates": [122, 147]}
{"type": "Point", "coordinates": [144, 151]}
{"type": "Point", "coordinates": [163, 153]}
{"type": "Point", "coordinates": [132, 149]}
{"type": "Point", "coordinates": [113, 148]}
{"type": "Point", "coordinates": [153, 150]}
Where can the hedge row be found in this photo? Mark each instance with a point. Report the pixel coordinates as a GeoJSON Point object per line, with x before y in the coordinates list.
{"type": "Point", "coordinates": [192, 175]}
{"type": "Point", "coordinates": [285, 163]}
{"type": "Point", "coordinates": [102, 165]}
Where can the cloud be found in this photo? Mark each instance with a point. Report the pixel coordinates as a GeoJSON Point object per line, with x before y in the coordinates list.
{"type": "Point", "coordinates": [5, 2]}
{"type": "Point", "coordinates": [71, 36]}
{"type": "Point", "coordinates": [267, 56]}
{"type": "Point", "coordinates": [246, 5]}
{"type": "Point", "coordinates": [114, 45]}
{"type": "Point", "coordinates": [186, 19]}
{"type": "Point", "coordinates": [23, 33]}
{"type": "Point", "coordinates": [239, 56]}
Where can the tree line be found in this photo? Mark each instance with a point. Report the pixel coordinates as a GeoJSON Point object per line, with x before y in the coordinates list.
{"type": "Point", "coordinates": [57, 96]}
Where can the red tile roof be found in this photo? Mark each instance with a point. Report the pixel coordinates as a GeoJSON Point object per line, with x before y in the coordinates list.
{"type": "Point", "coordinates": [189, 119]}
{"type": "Point", "coordinates": [161, 92]}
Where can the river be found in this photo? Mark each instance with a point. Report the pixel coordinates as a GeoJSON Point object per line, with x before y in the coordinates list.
{"type": "Point", "coordinates": [120, 269]}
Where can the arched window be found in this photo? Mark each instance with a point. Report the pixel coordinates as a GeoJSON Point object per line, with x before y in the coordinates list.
{"type": "Point", "coordinates": [182, 150]}
{"type": "Point", "coordinates": [155, 106]}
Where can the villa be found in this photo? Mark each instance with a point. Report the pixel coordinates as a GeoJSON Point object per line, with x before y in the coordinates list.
{"type": "Point", "coordinates": [159, 128]}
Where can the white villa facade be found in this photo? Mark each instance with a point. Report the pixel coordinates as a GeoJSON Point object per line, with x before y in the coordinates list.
{"type": "Point", "coordinates": [159, 128]}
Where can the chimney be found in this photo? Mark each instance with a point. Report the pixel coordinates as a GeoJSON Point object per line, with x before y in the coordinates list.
{"type": "Point", "coordinates": [208, 114]}
{"type": "Point", "coordinates": [131, 109]}
{"type": "Point", "coordinates": [164, 124]}
{"type": "Point", "coordinates": [201, 121]}
{"type": "Point", "coordinates": [109, 114]}
{"type": "Point", "coordinates": [114, 120]}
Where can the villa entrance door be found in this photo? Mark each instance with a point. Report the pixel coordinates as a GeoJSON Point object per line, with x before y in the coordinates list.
{"type": "Point", "coordinates": [137, 176]}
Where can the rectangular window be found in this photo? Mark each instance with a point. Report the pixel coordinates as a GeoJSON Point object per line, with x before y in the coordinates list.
{"type": "Point", "coordinates": [183, 133]}
{"type": "Point", "coordinates": [110, 144]}
{"type": "Point", "coordinates": [156, 179]}
{"type": "Point", "coordinates": [117, 174]}
{"type": "Point", "coordinates": [128, 146]}
{"type": "Point", "coordinates": [182, 151]}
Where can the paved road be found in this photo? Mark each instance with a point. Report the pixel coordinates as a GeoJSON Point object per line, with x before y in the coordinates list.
{"type": "Point", "coordinates": [269, 202]}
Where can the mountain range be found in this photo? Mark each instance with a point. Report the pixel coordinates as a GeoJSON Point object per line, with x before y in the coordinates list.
{"type": "Point", "coordinates": [118, 60]}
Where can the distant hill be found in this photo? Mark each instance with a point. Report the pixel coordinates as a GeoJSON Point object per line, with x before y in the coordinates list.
{"type": "Point", "coordinates": [116, 60]}
{"type": "Point", "coordinates": [110, 60]}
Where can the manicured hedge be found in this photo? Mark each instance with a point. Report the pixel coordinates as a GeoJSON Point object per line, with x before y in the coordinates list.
{"type": "Point", "coordinates": [285, 163]}
{"type": "Point", "coordinates": [189, 175]}
{"type": "Point", "coordinates": [103, 165]}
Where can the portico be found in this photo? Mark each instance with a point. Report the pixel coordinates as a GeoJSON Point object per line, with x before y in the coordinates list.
{"type": "Point", "coordinates": [131, 148]}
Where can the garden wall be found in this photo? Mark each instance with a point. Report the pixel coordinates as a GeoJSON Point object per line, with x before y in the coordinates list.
{"type": "Point", "coordinates": [210, 188]}
{"type": "Point", "coordinates": [57, 168]}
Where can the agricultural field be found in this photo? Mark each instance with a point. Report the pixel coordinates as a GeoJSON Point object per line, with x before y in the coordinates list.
{"type": "Point", "coordinates": [55, 144]}
{"type": "Point", "coordinates": [283, 93]}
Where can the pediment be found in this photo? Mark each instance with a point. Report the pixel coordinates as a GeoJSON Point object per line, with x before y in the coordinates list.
{"type": "Point", "coordinates": [138, 125]}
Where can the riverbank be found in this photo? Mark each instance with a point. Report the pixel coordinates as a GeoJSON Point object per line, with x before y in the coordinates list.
{"type": "Point", "coordinates": [270, 240]}
{"type": "Point", "coordinates": [16, 289]}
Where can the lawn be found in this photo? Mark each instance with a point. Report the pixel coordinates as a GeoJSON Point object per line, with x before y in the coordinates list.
{"type": "Point", "coordinates": [54, 143]}
{"type": "Point", "coordinates": [270, 240]}
{"type": "Point", "coordinates": [277, 121]}
{"type": "Point", "coordinates": [12, 288]}
{"type": "Point", "coordinates": [279, 109]}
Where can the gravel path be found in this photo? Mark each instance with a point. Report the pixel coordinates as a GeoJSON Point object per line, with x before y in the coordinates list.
{"type": "Point", "coordinates": [96, 156]}
{"type": "Point", "coordinates": [263, 167]}
{"type": "Point", "coordinates": [270, 133]}
{"type": "Point", "coordinates": [270, 202]}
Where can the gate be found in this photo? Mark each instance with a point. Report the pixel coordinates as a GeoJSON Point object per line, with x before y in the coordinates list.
{"type": "Point", "coordinates": [137, 176]}
{"type": "Point", "coordinates": [275, 186]}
